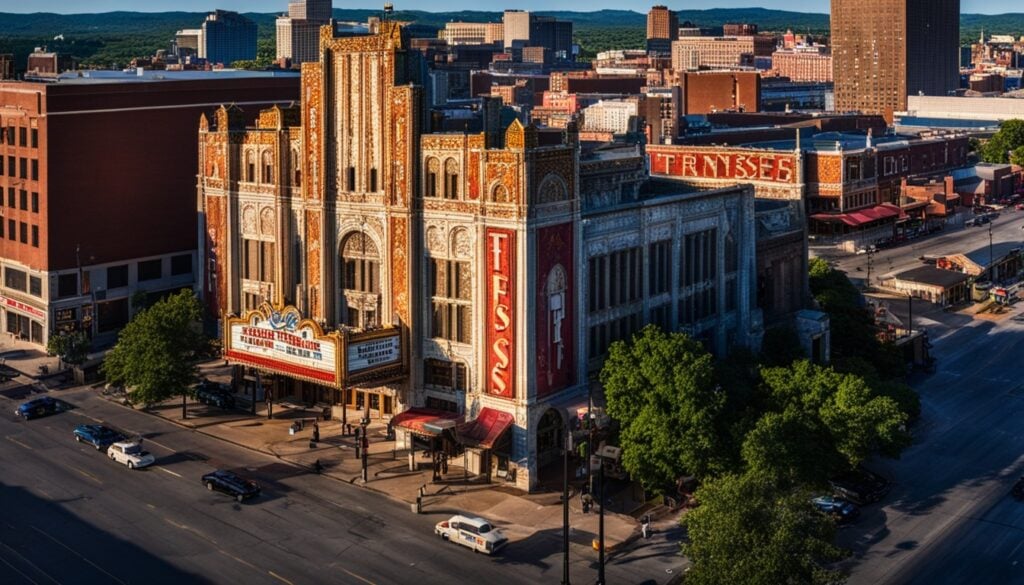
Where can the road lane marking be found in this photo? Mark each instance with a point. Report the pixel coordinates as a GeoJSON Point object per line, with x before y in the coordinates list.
{"type": "Point", "coordinates": [23, 575]}
{"type": "Point", "coordinates": [16, 441]}
{"type": "Point", "coordinates": [151, 506]}
{"type": "Point", "coordinates": [92, 418]}
{"type": "Point", "coordinates": [243, 561]}
{"type": "Point", "coordinates": [169, 471]}
{"type": "Point", "coordinates": [189, 529]}
{"type": "Point", "coordinates": [74, 552]}
{"type": "Point", "coordinates": [87, 474]}
{"type": "Point", "coordinates": [367, 581]}
{"type": "Point", "coordinates": [280, 578]}
{"type": "Point", "coordinates": [159, 445]}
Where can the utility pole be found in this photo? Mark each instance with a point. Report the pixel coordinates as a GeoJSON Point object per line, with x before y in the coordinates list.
{"type": "Point", "coordinates": [871, 257]}
{"type": "Point", "coordinates": [991, 257]}
{"type": "Point", "coordinates": [364, 423]}
{"type": "Point", "coordinates": [600, 532]}
{"type": "Point", "coordinates": [565, 505]}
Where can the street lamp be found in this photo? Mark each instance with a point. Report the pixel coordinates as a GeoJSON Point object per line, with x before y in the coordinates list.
{"type": "Point", "coordinates": [598, 460]}
{"type": "Point", "coordinates": [565, 504]}
{"type": "Point", "coordinates": [363, 424]}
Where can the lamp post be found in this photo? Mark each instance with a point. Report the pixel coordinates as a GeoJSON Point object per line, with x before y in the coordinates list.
{"type": "Point", "coordinates": [565, 505]}
{"type": "Point", "coordinates": [600, 531]}
{"type": "Point", "coordinates": [364, 423]}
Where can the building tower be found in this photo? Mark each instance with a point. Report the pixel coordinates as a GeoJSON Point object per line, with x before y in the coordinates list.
{"type": "Point", "coordinates": [885, 50]}
{"type": "Point", "coordinates": [298, 33]}
{"type": "Point", "coordinates": [662, 29]}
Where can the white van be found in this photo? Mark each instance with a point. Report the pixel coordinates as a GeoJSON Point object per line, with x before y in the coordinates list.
{"type": "Point", "coordinates": [476, 533]}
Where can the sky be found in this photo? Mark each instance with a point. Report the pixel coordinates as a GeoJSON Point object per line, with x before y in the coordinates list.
{"type": "Point", "coordinates": [77, 6]}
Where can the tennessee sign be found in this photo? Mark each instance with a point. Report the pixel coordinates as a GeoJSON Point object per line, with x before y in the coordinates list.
{"type": "Point", "coordinates": [500, 312]}
{"type": "Point", "coordinates": [746, 165]}
{"type": "Point", "coordinates": [280, 340]}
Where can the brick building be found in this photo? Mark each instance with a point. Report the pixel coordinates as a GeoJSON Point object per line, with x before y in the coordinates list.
{"type": "Point", "coordinates": [885, 50]}
{"type": "Point", "coordinates": [704, 92]}
{"type": "Point", "coordinates": [452, 276]}
{"type": "Point", "coordinates": [803, 63]}
{"type": "Point", "coordinates": [716, 52]}
{"type": "Point", "coordinates": [80, 180]}
{"type": "Point", "coordinates": [662, 29]}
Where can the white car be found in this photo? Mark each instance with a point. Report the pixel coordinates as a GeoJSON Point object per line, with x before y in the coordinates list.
{"type": "Point", "coordinates": [476, 533]}
{"type": "Point", "coordinates": [130, 453]}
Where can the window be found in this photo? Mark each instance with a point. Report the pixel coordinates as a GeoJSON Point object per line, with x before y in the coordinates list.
{"type": "Point", "coordinates": [23, 167]}
{"type": "Point", "coordinates": [433, 169]}
{"type": "Point", "coordinates": [351, 178]}
{"type": "Point", "coordinates": [360, 280]}
{"type": "Point", "coordinates": [268, 168]}
{"type": "Point", "coordinates": [439, 373]}
{"type": "Point", "coordinates": [373, 180]}
{"type": "Point", "coordinates": [451, 179]}
{"type": "Point", "coordinates": [11, 201]}
{"type": "Point", "coordinates": [450, 283]}
{"type": "Point", "coordinates": [181, 264]}
{"type": "Point", "coordinates": [699, 273]}
{"type": "Point", "coordinates": [12, 230]}
{"type": "Point", "coordinates": [35, 236]}
{"type": "Point", "coordinates": [35, 286]}
{"type": "Point", "coordinates": [35, 203]}
{"type": "Point", "coordinates": [35, 170]}
{"type": "Point", "coordinates": [615, 279]}
{"type": "Point", "coordinates": [1, 229]}
{"type": "Point", "coordinates": [10, 166]}
{"type": "Point", "coordinates": [24, 232]}
{"type": "Point", "coordinates": [660, 262]}
{"type": "Point", "coordinates": [23, 199]}
{"type": "Point", "coordinates": [150, 269]}
{"type": "Point", "coordinates": [250, 167]}
{"type": "Point", "coordinates": [117, 276]}
{"type": "Point", "coordinates": [22, 136]}
{"type": "Point", "coordinates": [1, 166]}
{"type": "Point", "coordinates": [111, 315]}
{"type": "Point", "coordinates": [10, 137]}
{"type": "Point", "coordinates": [15, 279]}
{"type": "Point", "coordinates": [67, 285]}
{"type": "Point", "coordinates": [35, 138]}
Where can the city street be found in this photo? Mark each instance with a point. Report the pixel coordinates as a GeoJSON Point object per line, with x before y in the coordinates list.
{"type": "Point", "coordinates": [950, 517]}
{"type": "Point", "coordinates": [70, 515]}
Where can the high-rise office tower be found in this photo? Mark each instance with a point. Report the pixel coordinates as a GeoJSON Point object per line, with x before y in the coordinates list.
{"type": "Point", "coordinates": [227, 37]}
{"type": "Point", "coordinates": [662, 29]}
{"type": "Point", "coordinates": [298, 33]}
{"type": "Point", "coordinates": [885, 50]}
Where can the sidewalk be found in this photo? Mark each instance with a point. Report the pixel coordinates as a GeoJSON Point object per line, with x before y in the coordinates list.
{"type": "Point", "coordinates": [520, 515]}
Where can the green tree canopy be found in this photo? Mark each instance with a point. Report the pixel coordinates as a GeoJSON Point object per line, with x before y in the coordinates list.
{"type": "Point", "coordinates": [661, 389]}
{"type": "Point", "coordinates": [155, 352]}
{"type": "Point", "coordinates": [749, 532]}
{"type": "Point", "coordinates": [1009, 138]}
{"type": "Point", "coordinates": [71, 348]}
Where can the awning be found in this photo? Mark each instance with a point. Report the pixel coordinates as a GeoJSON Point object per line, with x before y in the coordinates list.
{"type": "Point", "coordinates": [486, 430]}
{"type": "Point", "coordinates": [426, 421]}
{"type": "Point", "coordinates": [861, 216]}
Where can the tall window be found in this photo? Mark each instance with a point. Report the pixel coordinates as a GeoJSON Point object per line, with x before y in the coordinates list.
{"type": "Point", "coordinates": [296, 169]}
{"type": "Point", "coordinates": [250, 167]}
{"type": "Point", "coordinates": [433, 169]}
{"type": "Point", "coordinates": [660, 265]}
{"type": "Point", "coordinates": [699, 276]}
{"type": "Point", "coordinates": [451, 179]}
{"type": "Point", "coordinates": [267, 163]}
{"type": "Point", "coordinates": [444, 374]}
{"type": "Point", "coordinates": [360, 281]}
{"type": "Point", "coordinates": [450, 283]}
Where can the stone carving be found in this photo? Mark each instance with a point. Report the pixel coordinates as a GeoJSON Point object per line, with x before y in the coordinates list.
{"type": "Point", "coordinates": [249, 220]}
{"type": "Point", "coordinates": [267, 222]}
{"type": "Point", "coordinates": [552, 190]}
{"type": "Point", "coordinates": [461, 243]}
{"type": "Point", "coordinates": [436, 241]}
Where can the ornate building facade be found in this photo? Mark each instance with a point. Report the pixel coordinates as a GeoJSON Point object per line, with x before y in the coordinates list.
{"type": "Point", "coordinates": [334, 229]}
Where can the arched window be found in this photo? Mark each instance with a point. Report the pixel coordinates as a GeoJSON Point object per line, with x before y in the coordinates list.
{"type": "Point", "coordinates": [360, 281]}
{"type": "Point", "coordinates": [250, 167]}
{"type": "Point", "coordinates": [433, 170]}
{"type": "Point", "coordinates": [556, 286]}
{"type": "Point", "coordinates": [451, 179]}
{"type": "Point", "coordinates": [267, 163]}
{"type": "Point", "coordinates": [500, 194]}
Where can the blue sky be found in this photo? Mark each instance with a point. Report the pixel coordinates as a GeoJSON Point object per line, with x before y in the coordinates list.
{"type": "Point", "coordinates": [75, 6]}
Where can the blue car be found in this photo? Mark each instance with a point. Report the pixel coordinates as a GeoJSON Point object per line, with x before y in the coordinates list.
{"type": "Point", "coordinates": [41, 406]}
{"type": "Point", "coordinates": [98, 436]}
{"type": "Point", "coordinates": [838, 509]}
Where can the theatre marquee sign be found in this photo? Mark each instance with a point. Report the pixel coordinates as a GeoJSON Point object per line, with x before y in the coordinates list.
{"type": "Point", "coordinates": [281, 340]}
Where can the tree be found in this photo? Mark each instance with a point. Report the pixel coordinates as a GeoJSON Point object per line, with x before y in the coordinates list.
{"type": "Point", "coordinates": [844, 415]}
{"type": "Point", "coordinates": [71, 348]}
{"type": "Point", "coordinates": [661, 389]}
{"type": "Point", "coordinates": [155, 352]}
{"type": "Point", "coordinates": [1017, 156]}
{"type": "Point", "coordinates": [747, 531]}
{"type": "Point", "coordinates": [1009, 138]}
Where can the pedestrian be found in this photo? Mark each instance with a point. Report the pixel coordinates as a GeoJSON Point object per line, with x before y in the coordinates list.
{"type": "Point", "coordinates": [318, 467]}
{"type": "Point", "coordinates": [645, 527]}
{"type": "Point", "coordinates": [316, 433]}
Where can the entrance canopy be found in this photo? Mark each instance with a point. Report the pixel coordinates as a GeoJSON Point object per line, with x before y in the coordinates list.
{"type": "Point", "coordinates": [426, 421]}
{"type": "Point", "coordinates": [486, 430]}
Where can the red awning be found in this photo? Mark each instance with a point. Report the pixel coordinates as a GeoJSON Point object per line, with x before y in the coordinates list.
{"type": "Point", "coordinates": [861, 216]}
{"type": "Point", "coordinates": [426, 421]}
{"type": "Point", "coordinates": [486, 430]}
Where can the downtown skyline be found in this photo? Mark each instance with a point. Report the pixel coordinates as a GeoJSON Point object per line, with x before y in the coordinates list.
{"type": "Point", "coordinates": [269, 6]}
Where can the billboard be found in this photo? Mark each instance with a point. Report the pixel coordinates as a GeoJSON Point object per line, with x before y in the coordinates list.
{"type": "Point", "coordinates": [374, 350]}
{"type": "Point", "coordinates": [500, 375]}
{"type": "Point", "coordinates": [280, 340]}
{"type": "Point", "coordinates": [718, 163]}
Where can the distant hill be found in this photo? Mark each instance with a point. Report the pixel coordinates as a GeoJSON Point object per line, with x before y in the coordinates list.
{"type": "Point", "coordinates": [113, 38]}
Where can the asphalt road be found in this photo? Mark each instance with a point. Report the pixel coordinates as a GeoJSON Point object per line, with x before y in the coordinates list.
{"type": "Point", "coordinates": [70, 515]}
{"type": "Point", "coordinates": [950, 518]}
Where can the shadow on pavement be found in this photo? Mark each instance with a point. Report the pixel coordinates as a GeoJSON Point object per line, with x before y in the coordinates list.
{"type": "Point", "coordinates": [40, 542]}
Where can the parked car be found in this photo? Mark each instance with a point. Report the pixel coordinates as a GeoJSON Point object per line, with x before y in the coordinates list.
{"type": "Point", "coordinates": [214, 394]}
{"type": "Point", "coordinates": [476, 533]}
{"type": "Point", "coordinates": [860, 486]}
{"type": "Point", "coordinates": [42, 406]}
{"type": "Point", "coordinates": [98, 436]}
{"type": "Point", "coordinates": [838, 509]}
{"type": "Point", "coordinates": [231, 484]}
{"type": "Point", "coordinates": [130, 454]}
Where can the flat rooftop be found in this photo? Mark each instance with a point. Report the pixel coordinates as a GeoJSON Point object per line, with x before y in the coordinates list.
{"type": "Point", "coordinates": [933, 276]}
{"type": "Point", "coordinates": [89, 77]}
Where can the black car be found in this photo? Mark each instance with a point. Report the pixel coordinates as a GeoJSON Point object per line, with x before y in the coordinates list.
{"type": "Point", "coordinates": [231, 484]}
{"type": "Point", "coordinates": [214, 394]}
{"type": "Point", "coordinates": [860, 486]}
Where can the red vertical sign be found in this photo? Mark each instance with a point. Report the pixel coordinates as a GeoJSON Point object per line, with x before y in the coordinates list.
{"type": "Point", "coordinates": [501, 312]}
{"type": "Point", "coordinates": [556, 363]}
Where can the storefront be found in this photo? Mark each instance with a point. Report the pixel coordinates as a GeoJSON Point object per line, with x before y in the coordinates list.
{"type": "Point", "coordinates": [487, 442]}
{"type": "Point", "coordinates": [23, 321]}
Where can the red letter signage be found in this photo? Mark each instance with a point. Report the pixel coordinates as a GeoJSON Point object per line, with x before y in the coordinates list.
{"type": "Point", "coordinates": [501, 312]}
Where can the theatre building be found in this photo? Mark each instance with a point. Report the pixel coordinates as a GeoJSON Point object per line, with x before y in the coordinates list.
{"type": "Point", "coordinates": [464, 286]}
